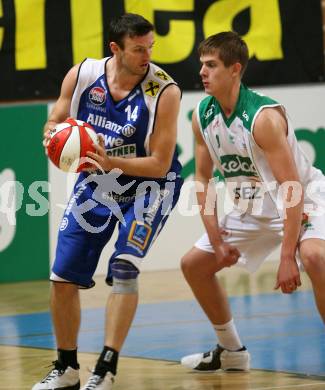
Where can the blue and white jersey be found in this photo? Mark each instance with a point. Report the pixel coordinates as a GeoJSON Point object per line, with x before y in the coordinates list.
{"type": "Point", "coordinates": [126, 125]}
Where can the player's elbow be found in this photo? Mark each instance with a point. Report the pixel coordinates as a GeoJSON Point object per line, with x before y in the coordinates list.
{"type": "Point", "coordinates": [161, 171]}
{"type": "Point", "coordinates": [160, 166]}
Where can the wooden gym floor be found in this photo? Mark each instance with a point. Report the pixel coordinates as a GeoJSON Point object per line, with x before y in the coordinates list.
{"type": "Point", "coordinates": [283, 334]}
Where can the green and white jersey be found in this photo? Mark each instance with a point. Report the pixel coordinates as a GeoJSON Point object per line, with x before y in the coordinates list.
{"type": "Point", "coordinates": [241, 161]}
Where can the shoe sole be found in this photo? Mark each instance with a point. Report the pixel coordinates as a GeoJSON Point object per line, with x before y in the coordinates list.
{"type": "Point", "coordinates": [235, 370]}
{"type": "Point", "coordinates": [74, 387]}
{"type": "Point", "coordinates": [219, 369]}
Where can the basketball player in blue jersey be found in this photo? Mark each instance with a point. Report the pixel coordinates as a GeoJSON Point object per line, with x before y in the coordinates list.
{"type": "Point", "coordinates": [133, 105]}
{"type": "Point", "coordinates": [249, 138]}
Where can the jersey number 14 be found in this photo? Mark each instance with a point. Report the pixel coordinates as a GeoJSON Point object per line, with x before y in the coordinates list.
{"type": "Point", "coordinates": [132, 115]}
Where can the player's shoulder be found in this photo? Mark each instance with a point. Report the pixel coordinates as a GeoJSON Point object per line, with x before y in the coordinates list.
{"type": "Point", "coordinates": [271, 117]}
{"type": "Point", "coordinates": [207, 108]}
{"type": "Point", "coordinates": [95, 61]}
{"type": "Point", "coordinates": [160, 75]}
{"type": "Point", "coordinates": [253, 104]}
{"type": "Point", "coordinates": [254, 100]}
{"type": "Point", "coordinates": [206, 103]}
{"type": "Point", "coordinates": [93, 65]}
{"type": "Point", "coordinates": [156, 81]}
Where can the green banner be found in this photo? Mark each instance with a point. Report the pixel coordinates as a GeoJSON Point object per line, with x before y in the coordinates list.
{"type": "Point", "coordinates": [24, 238]}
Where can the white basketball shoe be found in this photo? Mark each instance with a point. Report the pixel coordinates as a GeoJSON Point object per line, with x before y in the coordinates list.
{"type": "Point", "coordinates": [219, 358]}
{"type": "Point", "coordinates": [59, 379]}
{"type": "Point", "coordinates": [97, 382]}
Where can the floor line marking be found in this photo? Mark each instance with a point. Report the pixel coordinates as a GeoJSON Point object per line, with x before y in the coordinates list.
{"type": "Point", "coordinates": [292, 386]}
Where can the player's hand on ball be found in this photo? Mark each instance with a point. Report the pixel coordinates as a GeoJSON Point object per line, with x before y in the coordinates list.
{"type": "Point", "coordinates": [100, 156]}
{"type": "Point", "coordinates": [47, 137]}
{"type": "Point", "coordinates": [46, 140]}
{"type": "Point", "coordinates": [49, 126]}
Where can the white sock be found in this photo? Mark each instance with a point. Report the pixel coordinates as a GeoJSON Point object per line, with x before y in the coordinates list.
{"type": "Point", "coordinates": [228, 336]}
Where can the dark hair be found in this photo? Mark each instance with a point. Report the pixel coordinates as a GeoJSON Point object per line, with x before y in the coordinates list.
{"type": "Point", "coordinates": [128, 25]}
{"type": "Point", "coordinates": [230, 46]}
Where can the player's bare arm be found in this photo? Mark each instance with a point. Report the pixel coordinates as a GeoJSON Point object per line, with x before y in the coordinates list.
{"type": "Point", "coordinates": [226, 255]}
{"type": "Point", "coordinates": [162, 142]}
{"type": "Point", "coordinates": [203, 174]}
{"type": "Point", "coordinates": [270, 133]}
{"type": "Point", "coordinates": [61, 108]}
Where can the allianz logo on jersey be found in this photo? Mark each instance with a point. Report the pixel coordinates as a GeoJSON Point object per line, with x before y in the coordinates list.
{"type": "Point", "coordinates": [101, 121]}
{"type": "Point", "coordinates": [235, 165]}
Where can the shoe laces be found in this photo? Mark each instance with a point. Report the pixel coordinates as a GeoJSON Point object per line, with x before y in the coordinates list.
{"type": "Point", "coordinates": [58, 370]}
{"type": "Point", "coordinates": [93, 381]}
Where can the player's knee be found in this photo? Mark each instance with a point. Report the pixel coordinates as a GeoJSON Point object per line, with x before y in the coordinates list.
{"type": "Point", "coordinates": [313, 261]}
{"type": "Point", "coordinates": [198, 266]}
{"type": "Point", "coordinates": [188, 265]}
{"type": "Point", "coordinates": [125, 277]}
{"type": "Point", "coordinates": [184, 264]}
{"type": "Point", "coordinates": [63, 290]}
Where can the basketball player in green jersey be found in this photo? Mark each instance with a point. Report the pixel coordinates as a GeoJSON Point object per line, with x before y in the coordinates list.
{"type": "Point", "coordinates": [250, 139]}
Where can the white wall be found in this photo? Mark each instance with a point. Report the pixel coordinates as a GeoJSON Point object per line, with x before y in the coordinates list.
{"type": "Point", "coordinates": [305, 107]}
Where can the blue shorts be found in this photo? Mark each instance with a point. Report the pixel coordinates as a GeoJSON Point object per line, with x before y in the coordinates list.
{"type": "Point", "coordinates": [91, 217]}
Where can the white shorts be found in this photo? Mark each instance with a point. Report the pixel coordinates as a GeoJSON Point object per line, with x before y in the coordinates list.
{"type": "Point", "coordinates": [257, 237]}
